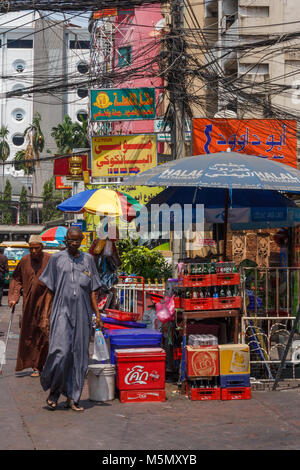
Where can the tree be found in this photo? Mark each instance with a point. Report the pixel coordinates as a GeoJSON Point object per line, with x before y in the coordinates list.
{"type": "Point", "coordinates": [20, 163]}
{"type": "Point", "coordinates": [35, 135]}
{"type": "Point", "coordinates": [7, 211]}
{"type": "Point", "coordinates": [49, 211]}
{"type": "Point", "coordinates": [4, 148]}
{"type": "Point", "coordinates": [23, 207]}
{"type": "Point", "coordinates": [69, 135]}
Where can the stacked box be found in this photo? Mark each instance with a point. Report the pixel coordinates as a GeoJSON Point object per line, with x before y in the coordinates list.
{"type": "Point", "coordinates": [234, 371]}
{"type": "Point", "coordinates": [229, 364]}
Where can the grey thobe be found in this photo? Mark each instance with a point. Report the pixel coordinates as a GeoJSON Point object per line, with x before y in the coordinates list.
{"type": "Point", "coordinates": [71, 280]}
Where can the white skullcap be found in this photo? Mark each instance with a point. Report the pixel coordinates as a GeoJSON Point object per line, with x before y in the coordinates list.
{"type": "Point", "coordinates": [35, 239]}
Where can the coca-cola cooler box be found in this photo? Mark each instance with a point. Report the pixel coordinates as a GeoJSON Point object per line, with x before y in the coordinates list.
{"type": "Point", "coordinates": [132, 338]}
{"type": "Point", "coordinates": [202, 361]}
{"type": "Point", "coordinates": [140, 369]}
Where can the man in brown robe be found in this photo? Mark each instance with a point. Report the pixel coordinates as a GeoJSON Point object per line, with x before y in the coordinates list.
{"type": "Point", "coordinates": [34, 336]}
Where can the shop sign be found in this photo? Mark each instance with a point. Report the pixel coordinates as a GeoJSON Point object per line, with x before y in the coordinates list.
{"type": "Point", "coordinates": [119, 104]}
{"type": "Point", "coordinates": [71, 166]}
{"type": "Point", "coordinates": [163, 130]}
{"type": "Point", "coordinates": [61, 182]}
{"type": "Point", "coordinates": [117, 156]}
{"type": "Point", "coordinates": [273, 139]}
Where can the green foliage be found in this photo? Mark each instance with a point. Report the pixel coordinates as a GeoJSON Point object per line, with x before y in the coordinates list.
{"type": "Point", "coordinates": [38, 140]}
{"type": "Point", "coordinates": [23, 207]}
{"type": "Point", "coordinates": [69, 135]}
{"type": "Point", "coordinates": [7, 212]}
{"type": "Point", "coordinates": [4, 146]}
{"type": "Point", "coordinates": [20, 157]}
{"type": "Point", "coordinates": [142, 261]}
{"type": "Point", "coordinates": [49, 211]}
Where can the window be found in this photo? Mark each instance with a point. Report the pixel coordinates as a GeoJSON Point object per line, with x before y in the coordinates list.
{"type": "Point", "coordinates": [18, 140]}
{"type": "Point", "coordinates": [124, 56]}
{"type": "Point", "coordinates": [254, 12]}
{"type": "Point", "coordinates": [82, 92]}
{"type": "Point", "coordinates": [19, 65]}
{"type": "Point", "coordinates": [19, 43]}
{"type": "Point", "coordinates": [18, 89]}
{"type": "Point", "coordinates": [79, 44]}
{"type": "Point", "coordinates": [83, 67]}
{"type": "Point", "coordinates": [82, 115]}
{"type": "Point", "coordinates": [18, 114]}
{"type": "Point", "coordinates": [260, 69]}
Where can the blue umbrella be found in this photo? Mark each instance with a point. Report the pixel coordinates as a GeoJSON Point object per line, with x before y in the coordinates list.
{"type": "Point", "coordinates": [229, 170]}
{"type": "Point", "coordinates": [222, 170]}
{"type": "Point", "coordinates": [247, 208]}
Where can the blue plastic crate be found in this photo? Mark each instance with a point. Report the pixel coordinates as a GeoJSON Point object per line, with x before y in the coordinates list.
{"type": "Point", "coordinates": [239, 380]}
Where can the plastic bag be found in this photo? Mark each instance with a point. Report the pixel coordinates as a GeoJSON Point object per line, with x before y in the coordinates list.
{"type": "Point", "coordinates": [100, 349]}
{"type": "Point", "coordinates": [165, 310]}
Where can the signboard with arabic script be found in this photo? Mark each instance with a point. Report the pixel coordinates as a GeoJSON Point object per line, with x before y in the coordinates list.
{"type": "Point", "coordinates": [117, 156]}
{"type": "Point", "coordinates": [118, 104]}
{"type": "Point", "coordinates": [268, 138]}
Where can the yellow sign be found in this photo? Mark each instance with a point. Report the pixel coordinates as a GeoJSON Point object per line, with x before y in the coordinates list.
{"type": "Point", "coordinates": [122, 155]}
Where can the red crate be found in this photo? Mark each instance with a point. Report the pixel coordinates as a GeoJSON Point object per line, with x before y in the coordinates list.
{"type": "Point", "coordinates": [205, 303]}
{"type": "Point", "coordinates": [195, 280]}
{"type": "Point", "coordinates": [220, 303]}
{"type": "Point", "coordinates": [205, 393]}
{"type": "Point", "coordinates": [177, 302]}
{"type": "Point", "coordinates": [236, 393]}
{"type": "Point", "coordinates": [120, 315]}
{"type": "Point", "coordinates": [224, 279]}
{"type": "Point", "coordinates": [141, 396]}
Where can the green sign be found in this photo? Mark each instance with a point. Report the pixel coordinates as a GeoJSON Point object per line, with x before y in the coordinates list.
{"type": "Point", "coordinates": [118, 104]}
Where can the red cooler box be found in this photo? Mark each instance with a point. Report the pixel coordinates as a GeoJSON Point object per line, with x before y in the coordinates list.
{"type": "Point", "coordinates": [140, 369]}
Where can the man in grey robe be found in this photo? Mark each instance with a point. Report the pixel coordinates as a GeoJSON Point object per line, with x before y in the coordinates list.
{"type": "Point", "coordinates": [72, 280]}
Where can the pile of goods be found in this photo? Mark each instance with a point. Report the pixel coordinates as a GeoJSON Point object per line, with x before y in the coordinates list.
{"type": "Point", "coordinates": [217, 372]}
{"type": "Point", "coordinates": [208, 286]}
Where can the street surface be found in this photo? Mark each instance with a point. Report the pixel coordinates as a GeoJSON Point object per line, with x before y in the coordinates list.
{"type": "Point", "coordinates": [269, 421]}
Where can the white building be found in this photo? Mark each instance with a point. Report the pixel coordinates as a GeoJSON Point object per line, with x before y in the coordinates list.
{"type": "Point", "coordinates": [41, 59]}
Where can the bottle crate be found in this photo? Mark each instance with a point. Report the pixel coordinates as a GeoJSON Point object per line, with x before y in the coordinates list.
{"type": "Point", "coordinates": [121, 315]}
{"type": "Point", "coordinates": [220, 303]}
{"type": "Point", "coordinates": [205, 303]}
{"type": "Point", "coordinates": [230, 381]}
{"type": "Point", "coordinates": [204, 393]}
{"type": "Point", "coordinates": [195, 280]}
{"type": "Point", "coordinates": [225, 279]}
{"type": "Point", "coordinates": [142, 396]}
{"type": "Point", "coordinates": [236, 393]}
{"type": "Point", "coordinates": [177, 303]}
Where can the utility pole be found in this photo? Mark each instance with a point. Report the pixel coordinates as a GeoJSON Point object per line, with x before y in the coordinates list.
{"type": "Point", "coordinates": [176, 79]}
{"type": "Point", "coordinates": [177, 96]}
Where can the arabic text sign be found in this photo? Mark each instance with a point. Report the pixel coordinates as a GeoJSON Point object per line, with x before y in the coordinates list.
{"type": "Point", "coordinates": [267, 138]}
{"type": "Point", "coordinates": [118, 104]}
{"type": "Point", "coordinates": [117, 156]}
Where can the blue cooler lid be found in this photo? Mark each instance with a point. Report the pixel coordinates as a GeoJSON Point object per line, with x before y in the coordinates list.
{"type": "Point", "coordinates": [134, 336]}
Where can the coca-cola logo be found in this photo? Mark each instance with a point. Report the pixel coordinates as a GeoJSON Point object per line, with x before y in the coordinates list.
{"type": "Point", "coordinates": [138, 375]}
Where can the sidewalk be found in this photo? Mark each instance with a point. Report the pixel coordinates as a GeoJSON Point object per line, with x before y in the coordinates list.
{"type": "Point", "coordinates": [270, 420]}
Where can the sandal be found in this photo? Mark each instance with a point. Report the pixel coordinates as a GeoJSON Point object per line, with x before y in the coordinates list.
{"type": "Point", "coordinates": [73, 405]}
{"type": "Point", "coordinates": [52, 401]}
{"type": "Point", "coordinates": [35, 373]}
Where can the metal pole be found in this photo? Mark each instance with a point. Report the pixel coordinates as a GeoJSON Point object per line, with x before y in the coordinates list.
{"type": "Point", "coordinates": [278, 375]}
